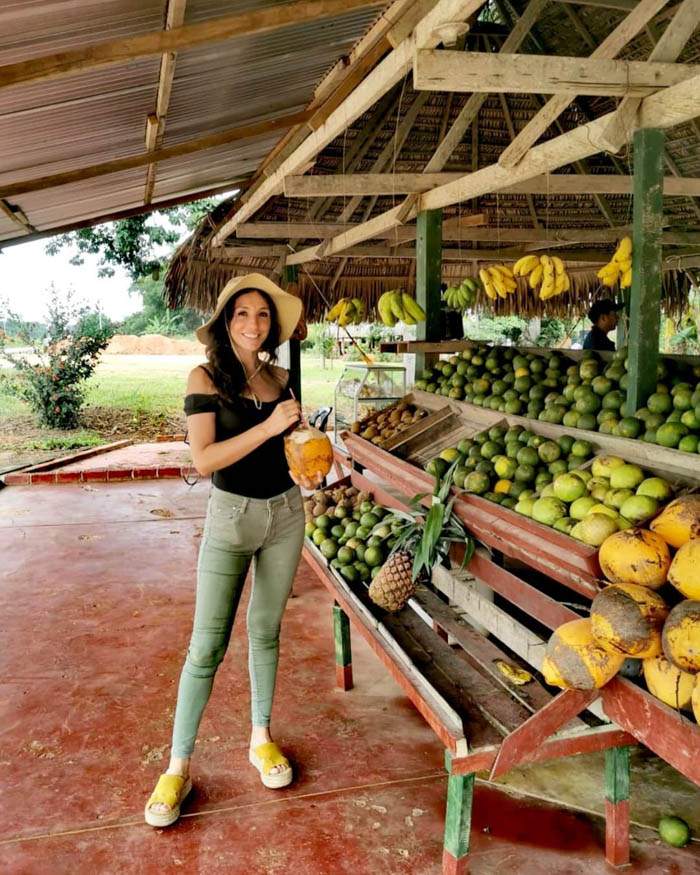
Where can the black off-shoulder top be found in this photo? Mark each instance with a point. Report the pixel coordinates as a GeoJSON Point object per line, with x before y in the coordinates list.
{"type": "Point", "coordinates": [263, 473]}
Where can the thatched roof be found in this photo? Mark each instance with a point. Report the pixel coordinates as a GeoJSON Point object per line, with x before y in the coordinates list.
{"type": "Point", "coordinates": [198, 272]}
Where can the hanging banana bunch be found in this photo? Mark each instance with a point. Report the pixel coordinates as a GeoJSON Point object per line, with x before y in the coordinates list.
{"type": "Point", "coordinates": [498, 281]}
{"type": "Point", "coordinates": [548, 273]}
{"type": "Point", "coordinates": [619, 267]}
{"type": "Point", "coordinates": [397, 306]}
{"type": "Point", "coordinates": [463, 296]}
{"type": "Point", "coordinates": [347, 311]}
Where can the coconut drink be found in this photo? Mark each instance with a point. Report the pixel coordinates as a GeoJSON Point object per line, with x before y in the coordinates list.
{"type": "Point", "coordinates": [308, 452]}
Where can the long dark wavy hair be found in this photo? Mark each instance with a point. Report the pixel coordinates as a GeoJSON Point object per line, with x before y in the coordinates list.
{"type": "Point", "coordinates": [226, 370]}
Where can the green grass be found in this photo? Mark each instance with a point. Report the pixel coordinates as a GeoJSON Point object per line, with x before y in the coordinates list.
{"type": "Point", "coordinates": [75, 441]}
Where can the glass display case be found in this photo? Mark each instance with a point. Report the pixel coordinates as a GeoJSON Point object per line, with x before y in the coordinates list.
{"type": "Point", "coordinates": [363, 388]}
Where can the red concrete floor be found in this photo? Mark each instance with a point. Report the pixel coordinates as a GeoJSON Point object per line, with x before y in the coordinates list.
{"type": "Point", "coordinates": [96, 595]}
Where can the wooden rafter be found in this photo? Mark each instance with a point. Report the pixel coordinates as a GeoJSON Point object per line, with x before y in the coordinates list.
{"type": "Point", "coordinates": [671, 107]}
{"type": "Point", "coordinates": [16, 215]}
{"type": "Point", "coordinates": [611, 46]}
{"type": "Point", "coordinates": [232, 135]}
{"type": "Point", "coordinates": [326, 230]}
{"type": "Point", "coordinates": [383, 77]}
{"type": "Point", "coordinates": [161, 41]}
{"type": "Point", "coordinates": [442, 70]}
{"type": "Point", "coordinates": [174, 17]}
{"type": "Point", "coordinates": [350, 184]}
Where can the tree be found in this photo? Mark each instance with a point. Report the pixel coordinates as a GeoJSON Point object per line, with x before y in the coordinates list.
{"type": "Point", "coordinates": [52, 380]}
{"type": "Point", "coordinates": [155, 317]}
{"type": "Point", "coordinates": [132, 243]}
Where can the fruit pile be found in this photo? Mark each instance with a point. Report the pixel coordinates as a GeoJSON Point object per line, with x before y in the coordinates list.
{"type": "Point", "coordinates": [347, 311]}
{"type": "Point", "coordinates": [639, 615]}
{"type": "Point", "coordinates": [463, 296]}
{"type": "Point", "coordinates": [588, 394]}
{"type": "Point", "coordinates": [352, 532]}
{"type": "Point", "coordinates": [619, 267]}
{"type": "Point", "coordinates": [397, 306]}
{"type": "Point", "coordinates": [510, 465]}
{"type": "Point", "coordinates": [380, 425]}
{"type": "Point", "coordinates": [592, 504]}
{"type": "Point", "coordinates": [548, 273]}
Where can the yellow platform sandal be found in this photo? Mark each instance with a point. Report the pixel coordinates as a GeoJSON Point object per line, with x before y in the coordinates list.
{"type": "Point", "coordinates": [171, 790]}
{"type": "Point", "coordinates": [265, 757]}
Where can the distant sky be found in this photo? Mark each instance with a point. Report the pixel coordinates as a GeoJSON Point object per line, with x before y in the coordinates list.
{"type": "Point", "coordinates": [26, 272]}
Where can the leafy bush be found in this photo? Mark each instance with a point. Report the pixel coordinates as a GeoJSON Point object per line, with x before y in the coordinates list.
{"type": "Point", "coordinates": [52, 380]}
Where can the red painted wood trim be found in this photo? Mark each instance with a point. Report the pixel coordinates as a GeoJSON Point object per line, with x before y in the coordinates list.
{"type": "Point", "coordinates": [429, 715]}
{"type": "Point", "coordinates": [668, 733]}
{"type": "Point", "coordinates": [343, 677]}
{"type": "Point", "coordinates": [17, 479]}
{"type": "Point", "coordinates": [453, 866]}
{"type": "Point", "coordinates": [539, 727]}
{"type": "Point", "coordinates": [553, 748]}
{"type": "Point", "coordinates": [617, 832]}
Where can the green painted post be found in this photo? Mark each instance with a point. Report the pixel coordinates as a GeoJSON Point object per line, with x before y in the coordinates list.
{"type": "Point", "coordinates": [458, 817]}
{"type": "Point", "coordinates": [290, 276]}
{"type": "Point", "coordinates": [645, 299]}
{"type": "Point", "coordinates": [617, 774]}
{"type": "Point", "coordinates": [343, 650]}
{"type": "Point", "coordinates": [428, 278]}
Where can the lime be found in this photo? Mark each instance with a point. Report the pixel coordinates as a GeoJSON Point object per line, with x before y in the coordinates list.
{"type": "Point", "coordinates": [369, 520]}
{"type": "Point", "coordinates": [323, 521]}
{"type": "Point", "coordinates": [309, 529]}
{"type": "Point", "coordinates": [374, 556]}
{"type": "Point", "coordinates": [329, 548]}
{"type": "Point", "coordinates": [346, 555]}
{"type": "Point", "coordinates": [350, 573]}
{"type": "Point", "coordinates": [318, 537]}
{"type": "Point", "coordinates": [450, 454]}
{"type": "Point", "coordinates": [674, 831]}
{"type": "Point", "coordinates": [338, 532]}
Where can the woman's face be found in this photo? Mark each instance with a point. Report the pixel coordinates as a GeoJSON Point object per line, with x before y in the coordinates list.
{"type": "Point", "coordinates": [250, 323]}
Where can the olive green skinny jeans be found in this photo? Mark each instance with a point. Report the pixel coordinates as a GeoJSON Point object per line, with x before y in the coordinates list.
{"type": "Point", "coordinates": [238, 530]}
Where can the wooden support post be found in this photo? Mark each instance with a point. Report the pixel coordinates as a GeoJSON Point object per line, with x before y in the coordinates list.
{"type": "Point", "coordinates": [290, 276]}
{"type": "Point", "coordinates": [617, 805]}
{"type": "Point", "coordinates": [458, 819]}
{"type": "Point", "coordinates": [343, 651]}
{"type": "Point", "coordinates": [645, 299]}
{"type": "Point", "coordinates": [428, 277]}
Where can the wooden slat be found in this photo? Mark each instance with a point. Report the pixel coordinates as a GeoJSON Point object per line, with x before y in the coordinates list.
{"type": "Point", "coordinates": [211, 141]}
{"type": "Point", "coordinates": [442, 70]}
{"type": "Point", "coordinates": [611, 46]}
{"type": "Point", "coordinates": [156, 42]}
{"type": "Point", "coordinates": [361, 184]}
{"type": "Point", "coordinates": [383, 77]}
{"type": "Point", "coordinates": [16, 215]}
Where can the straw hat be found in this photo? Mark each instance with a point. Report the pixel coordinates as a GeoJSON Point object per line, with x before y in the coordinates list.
{"type": "Point", "coordinates": [287, 306]}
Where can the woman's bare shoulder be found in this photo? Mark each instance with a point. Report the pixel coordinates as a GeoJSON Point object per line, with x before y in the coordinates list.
{"type": "Point", "coordinates": [199, 382]}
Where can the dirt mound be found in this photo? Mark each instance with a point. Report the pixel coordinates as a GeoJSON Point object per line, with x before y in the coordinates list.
{"type": "Point", "coordinates": [152, 344]}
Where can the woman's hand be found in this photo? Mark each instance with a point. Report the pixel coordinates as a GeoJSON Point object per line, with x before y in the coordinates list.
{"type": "Point", "coordinates": [308, 482]}
{"type": "Point", "coordinates": [285, 414]}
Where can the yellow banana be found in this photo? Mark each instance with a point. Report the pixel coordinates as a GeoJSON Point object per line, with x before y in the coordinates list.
{"type": "Point", "coordinates": [625, 265]}
{"type": "Point", "coordinates": [559, 282]}
{"type": "Point", "coordinates": [514, 674]}
{"type": "Point", "coordinates": [536, 276]}
{"type": "Point", "coordinates": [525, 265]}
{"type": "Point", "coordinates": [359, 311]}
{"type": "Point", "coordinates": [547, 266]}
{"type": "Point", "coordinates": [346, 314]}
{"type": "Point", "coordinates": [334, 312]}
{"type": "Point", "coordinates": [624, 250]}
{"type": "Point", "coordinates": [567, 283]}
{"type": "Point", "coordinates": [414, 309]}
{"type": "Point", "coordinates": [396, 305]}
{"type": "Point", "coordinates": [548, 286]}
{"type": "Point", "coordinates": [558, 265]}
{"type": "Point", "coordinates": [384, 309]}
{"type": "Point", "coordinates": [488, 286]}
{"type": "Point", "coordinates": [611, 269]}
{"type": "Point", "coordinates": [626, 279]}
{"type": "Point", "coordinates": [497, 281]}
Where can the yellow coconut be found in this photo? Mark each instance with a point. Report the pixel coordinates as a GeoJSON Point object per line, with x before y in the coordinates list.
{"type": "Point", "coordinates": [684, 572]}
{"type": "Point", "coordinates": [628, 619]}
{"type": "Point", "coordinates": [695, 699]}
{"type": "Point", "coordinates": [575, 661]}
{"type": "Point", "coordinates": [681, 636]}
{"type": "Point", "coordinates": [679, 521]}
{"type": "Point", "coordinates": [668, 683]}
{"type": "Point", "coordinates": [635, 556]}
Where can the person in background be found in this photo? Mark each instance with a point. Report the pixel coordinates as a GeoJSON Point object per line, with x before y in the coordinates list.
{"type": "Point", "coordinates": [603, 315]}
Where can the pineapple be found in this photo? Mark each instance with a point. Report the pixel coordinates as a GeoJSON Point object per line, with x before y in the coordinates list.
{"type": "Point", "coordinates": [394, 585]}
{"type": "Point", "coordinates": [422, 541]}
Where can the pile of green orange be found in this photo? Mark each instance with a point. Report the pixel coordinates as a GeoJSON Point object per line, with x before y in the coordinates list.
{"type": "Point", "coordinates": [506, 465]}
{"type": "Point", "coordinates": [588, 394]}
{"type": "Point", "coordinates": [354, 540]}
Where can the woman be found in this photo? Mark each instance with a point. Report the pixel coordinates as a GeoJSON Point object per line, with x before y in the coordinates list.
{"type": "Point", "coordinates": [238, 408]}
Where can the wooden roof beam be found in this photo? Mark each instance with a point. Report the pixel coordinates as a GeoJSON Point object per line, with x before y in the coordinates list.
{"type": "Point", "coordinates": [211, 141]}
{"type": "Point", "coordinates": [611, 46]}
{"type": "Point", "coordinates": [351, 184]}
{"type": "Point", "coordinates": [383, 77]}
{"type": "Point", "coordinates": [16, 215]}
{"type": "Point", "coordinates": [174, 17]}
{"type": "Point", "coordinates": [674, 106]}
{"type": "Point", "coordinates": [443, 70]}
{"type": "Point", "coordinates": [158, 42]}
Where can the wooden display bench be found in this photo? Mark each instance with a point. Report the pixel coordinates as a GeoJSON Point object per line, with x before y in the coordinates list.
{"type": "Point", "coordinates": [434, 679]}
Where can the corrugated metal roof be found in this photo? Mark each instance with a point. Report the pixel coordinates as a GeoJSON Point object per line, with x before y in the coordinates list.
{"type": "Point", "coordinates": [98, 115]}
